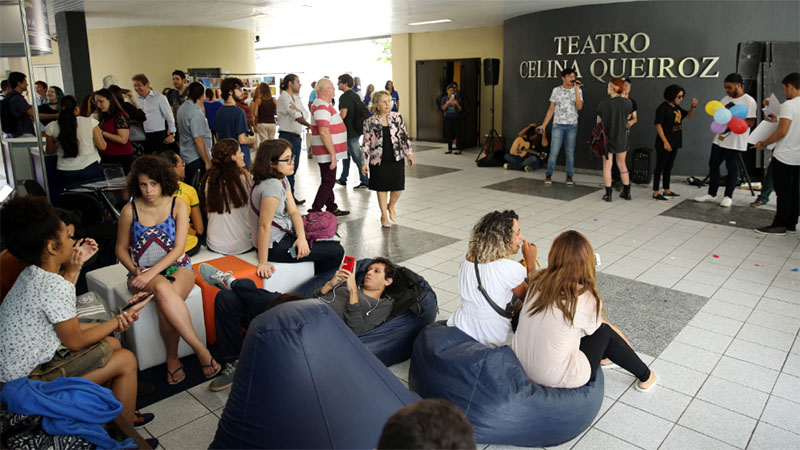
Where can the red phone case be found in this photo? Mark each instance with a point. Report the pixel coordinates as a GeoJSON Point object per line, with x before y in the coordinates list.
{"type": "Point", "coordinates": [349, 263]}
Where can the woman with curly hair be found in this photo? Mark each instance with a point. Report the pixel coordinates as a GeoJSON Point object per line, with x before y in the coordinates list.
{"type": "Point", "coordinates": [276, 225]}
{"type": "Point", "coordinates": [384, 150]}
{"type": "Point", "coordinates": [224, 192]}
{"type": "Point", "coordinates": [562, 338]}
{"type": "Point", "coordinates": [151, 238]}
{"type": "Point", "coordinates": [494, 240]}
{"type": "Point", "coordinates": [115, 128]}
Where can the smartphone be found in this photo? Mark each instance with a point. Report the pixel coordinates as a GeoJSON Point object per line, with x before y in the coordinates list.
{"type": "Point", "coordinates": [597, 258]}
{"type": "Point", "coordinates": [139, 300]}
{"type": "Point", "coordinates": [452, 96]}
{"type": "Point", "coordinates": [293, 252]}
{"type": "Point", "coordinates": [349, 264]}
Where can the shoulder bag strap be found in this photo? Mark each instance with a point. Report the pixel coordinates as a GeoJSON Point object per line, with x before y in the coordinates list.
{"type": "Point", "coordinates": [494, 306]}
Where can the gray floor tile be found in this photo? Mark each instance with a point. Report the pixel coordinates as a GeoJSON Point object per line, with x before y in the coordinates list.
{"type": "Point", "coordinates": [595, 439]}
{"type": "Point", "coordinates": [682, 438]}
{"type": "Point", "coordinates": [756, 353]}
{"type": "Point", "coordinates": [748, 287]}
{"type": "Point", "coordinates": [776, 322]}
{"type": "Point", "coordinates": [783, 414]}
{"type": "Point", "coordinates": [677, 377]}
{"type": "Point", "coordinates": [634, 426]}
{"type": "Point", "coordinates": [530, 186]}
{"type": "Point", "coordinates": [211, 400]}
{"type": "Point", "coordinates": [735, 397]}
{"type": "Point", "coordinates": [742, 216]}
{"type": "Point", "coordinates": [691, 357]}
{"type": "Point", "coordinates": [768, 437]}
{"type": "Point", "coordinates": [788, 387]}
{"type": "Point", "coordinates": [616, 382]}
{"type": "Point", "coordinates": [695, 287]}
{"type": "Point", "coordinates": [400, 370]}
{"type": "Point", "coordinates": [705, 339]}
{"type": "Point", "coordinates": [421, 171]}
{"type": "Point", "coordinates": [364, 238]}
{"type": "Point", "coordinates": [719, 423]}
{"type": "Point", "coordinates": [659, 401]}
{"type": "Point", "coordinates": [174, 412]}
{"type": "Point", "coordinates": [766, 336]}
{"type": "Point", "coordinates": [716, 323]}
{"type": "Point", "coordinates": [745, 373]}
{"type": "Point", "coordinates": [792, 365]}
{"type": "Point", "coordinates": [197, 434]}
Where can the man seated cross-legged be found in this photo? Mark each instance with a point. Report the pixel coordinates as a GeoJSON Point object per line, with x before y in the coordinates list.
{"type": "Point", "coordinates": [239, 301]}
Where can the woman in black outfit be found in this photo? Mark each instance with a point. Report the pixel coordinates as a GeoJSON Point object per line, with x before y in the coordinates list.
{"type": "Point", "coordinates": [669, 136]}
{"type": "Point", "coordinates": [615, 113]}
{"type": "Point", "coordinates": [386, 144]}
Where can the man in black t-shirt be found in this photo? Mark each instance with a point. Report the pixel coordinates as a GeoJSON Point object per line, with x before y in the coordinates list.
{"type": "Point", "coordinates": [669, 136]}
{"type": "Point", "coordinates": [348, 102]}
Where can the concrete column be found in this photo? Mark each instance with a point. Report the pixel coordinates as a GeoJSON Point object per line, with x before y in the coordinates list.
{"type": "Point", "coordinates": [73, 47]}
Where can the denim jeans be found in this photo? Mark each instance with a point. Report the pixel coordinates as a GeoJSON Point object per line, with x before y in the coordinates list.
{"type": "Point", "coordinates": [519, 163]}
{"type": "Point", "coordinates": [559, 132]}
{"type": "Point", "coordinates": [766, 185]}
{"type": "Point", "coordinates": [296, 142]}
{"type": "Point", "coordinates": [354, 150]}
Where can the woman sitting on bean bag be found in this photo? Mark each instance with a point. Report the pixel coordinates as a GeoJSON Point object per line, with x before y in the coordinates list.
{"type": "Point", "coordinates": [562, 305]}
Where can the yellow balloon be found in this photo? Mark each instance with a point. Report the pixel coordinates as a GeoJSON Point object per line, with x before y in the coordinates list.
{"type": "Point", "coordinates": [712, 106]}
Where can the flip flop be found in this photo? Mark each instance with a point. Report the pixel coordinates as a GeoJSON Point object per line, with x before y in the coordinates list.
{"type": "Point", "coordinates": [448, 152]}
{"type": "Point", "coordinates": [458, 152]}
{"type": "Point", "coordinates": [211, 364]}
{"type": "Point", "coordinates": [171, 379]}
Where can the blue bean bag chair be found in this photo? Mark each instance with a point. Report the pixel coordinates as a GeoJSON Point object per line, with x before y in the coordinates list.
{"type": "Point", "coordinates": [392, 341]}
{"type": "Point", "coordinates": [491, 387]}
{"type": "Point", "coordinates": [304, 380]}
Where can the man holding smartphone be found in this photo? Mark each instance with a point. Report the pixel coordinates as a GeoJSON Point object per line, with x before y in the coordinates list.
{"type": "Point", "coordinates": [451, 108]}
{"type": "Point", "coordinates": [565, 102]}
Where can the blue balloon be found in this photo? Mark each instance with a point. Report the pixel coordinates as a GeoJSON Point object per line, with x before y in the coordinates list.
{"type": "Point", "coordinates": [722, 116]}
{"type": "Point", "coordinates": [739, 111]}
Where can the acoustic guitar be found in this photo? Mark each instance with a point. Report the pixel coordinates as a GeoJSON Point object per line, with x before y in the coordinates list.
{"type": "Point", "coordinates": [527, 149]}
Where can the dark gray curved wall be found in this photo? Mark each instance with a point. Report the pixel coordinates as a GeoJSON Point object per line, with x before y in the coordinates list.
{"type": "Point", "coordinates": [676, 29]}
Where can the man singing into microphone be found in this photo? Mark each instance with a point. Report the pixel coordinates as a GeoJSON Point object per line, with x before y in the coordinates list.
{"type": "Point", "coordinates": [565, 102]}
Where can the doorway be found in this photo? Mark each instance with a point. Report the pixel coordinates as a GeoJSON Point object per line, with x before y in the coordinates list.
{"type": "Point", "coordinates": [433, 76]}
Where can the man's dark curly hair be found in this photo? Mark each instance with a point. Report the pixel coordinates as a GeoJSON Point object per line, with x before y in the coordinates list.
{"type": "Point", "coordinates": [671, 92]}
{"type": "Point", "coordinates": [156, 169]}
{"type": "Point", "coordinates": [28, 224]}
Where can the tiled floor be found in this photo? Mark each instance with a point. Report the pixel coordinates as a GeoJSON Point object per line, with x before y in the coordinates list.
{"type": "Point", "coordinates": [729, 374]}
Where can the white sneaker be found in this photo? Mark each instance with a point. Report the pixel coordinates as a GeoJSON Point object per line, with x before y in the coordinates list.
{"type": "Point", "coordinates": [705, 198]}
{"type": "Point", "coordinates": [507, 166]}
{"type": "Point", "coordinates": [726, 202]}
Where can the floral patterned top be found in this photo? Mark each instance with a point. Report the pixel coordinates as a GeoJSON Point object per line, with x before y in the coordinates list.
{"type": "Point", "coordinates": [372, 146]}
{"type": "Point", "coordinates": [38, 300]}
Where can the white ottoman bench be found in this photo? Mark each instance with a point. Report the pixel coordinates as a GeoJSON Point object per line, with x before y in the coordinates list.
{"type": "Point", "coordinates": [143, 337]}
{"type": "Point", "coordinates": [102, 282]}
{"type": "Point", "coordinates": [287, 276]}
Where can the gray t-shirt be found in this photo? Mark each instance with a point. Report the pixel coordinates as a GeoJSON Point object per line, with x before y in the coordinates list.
{"type": "Point", "coordinates": [270, 188]}
{"type": "Point", "coordinates": [192, 123]}
{"type": "Point", "coordinates": [614, 113]}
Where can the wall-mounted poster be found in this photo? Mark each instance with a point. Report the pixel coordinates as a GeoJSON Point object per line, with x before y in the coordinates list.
{"type": "Point", "coordinates": [269, 80]}
{"type": "Point", "coordinates": [206, 81]}
{"type": "Point", "coordinates": [215, 82]}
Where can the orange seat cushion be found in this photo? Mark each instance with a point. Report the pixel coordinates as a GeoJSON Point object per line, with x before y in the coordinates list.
{"type": "Point", "coordinates": [10, 268]}
{"type": "Point", "coordinates": [240, 269]}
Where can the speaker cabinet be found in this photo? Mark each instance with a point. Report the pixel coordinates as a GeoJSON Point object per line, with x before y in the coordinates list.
{"type": "Point", "coordinates": [491, 71]}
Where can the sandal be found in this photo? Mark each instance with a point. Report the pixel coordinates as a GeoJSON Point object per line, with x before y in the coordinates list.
{"type": "Point", "coordinates": [211, 365]}
{"type": "Point", "coordinates": [171, 379]}
{"type": "Point", "coordinates": [448, 152]}
{"type": "Point", "coordinates": [458, 152]}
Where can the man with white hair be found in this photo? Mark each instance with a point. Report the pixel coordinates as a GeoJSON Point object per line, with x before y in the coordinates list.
{"type": "Point", "coordinates": [328, 145]}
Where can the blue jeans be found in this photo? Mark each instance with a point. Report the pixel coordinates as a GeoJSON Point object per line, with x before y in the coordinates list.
{"type": "Point", "coordinates": [296, 141]}
{"type": "Point", "coordinates": [571, 132]}
{"type": "Point", "coordinates": [766, 185]}
{"type": "Point", "coordinates": [519, 163]}
{"type": "Point", "coordinates": [354, 150]}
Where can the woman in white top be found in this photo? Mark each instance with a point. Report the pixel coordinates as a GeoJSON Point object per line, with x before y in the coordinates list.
{"type": "Point", "coordinates": [495, 238]}
{"type": "Point", "coordinates": [277, 227]}
{"type": "Point", "coordinates": [224, 191]}
{"type": "Point", "coordinates": [76, 139]}
{"type": "Point", "coordinates": [561, 338]}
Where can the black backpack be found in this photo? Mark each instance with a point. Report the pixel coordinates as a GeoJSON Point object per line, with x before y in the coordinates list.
{"type": "Point", "coordinates": [8, 119]}
{"type": "Point", "coordinates": [404, 292]}
{"type": "Point", "coordinates": [362, 114]}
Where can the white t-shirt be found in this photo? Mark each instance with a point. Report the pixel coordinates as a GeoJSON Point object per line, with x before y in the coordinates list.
{"type": "Point", "coordinates": [38, 300]}
{"type": "Point", "coordinates": [566, 113]}
{"type": "Point", "coordinates": [229, 233]}
{"type": "Point", "coordinates": [549, 348]}
{"type": "Point", "coordinates": [475, 316]}
{"type": "Point", "coordinates": [730, 139]}
{"type": "Point", "coordinates": [87, 152]}
{"type": "Point", "coordinates": [787, 150]}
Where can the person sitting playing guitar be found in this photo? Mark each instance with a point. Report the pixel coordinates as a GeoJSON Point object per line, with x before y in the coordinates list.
{"type": "Point", "coordinates": [528, 151]}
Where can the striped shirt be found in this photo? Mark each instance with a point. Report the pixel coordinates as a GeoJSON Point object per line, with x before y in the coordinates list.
{"type": "Point", "coordinates": [325, 115]}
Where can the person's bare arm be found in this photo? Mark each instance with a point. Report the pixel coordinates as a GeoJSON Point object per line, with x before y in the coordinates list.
{"type": "Point", "coordinates": [121, 136]}
{"type": "Point", "coordinates": [550, 111]}
{"type": "Point", "coordinates": [578, 100]}
{"type": "Point", "coordinates": [343, 113]}
{"type": "Point", "coordinates": [265, 216]}
{"type": "Point", "coordinates": [197, 219]}
{"type": "Point", "coordinates": [660, 133]}
{"type": "Point", "coordinates": [52, 145]}
{"type": "Point", "coordinates": [202, 152]}
{"type": "Point", "coordinates": [244, 139]}
{"type": "Point", "coordinates": [99, 140]}
{"type": "Point", "coordinates": [693, 108]}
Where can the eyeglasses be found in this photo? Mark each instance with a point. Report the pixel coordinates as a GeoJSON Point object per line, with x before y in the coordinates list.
{"type": "Point", "coordinates": [679, 96]}
{"type": "Point", "coordinates": [287, 161]}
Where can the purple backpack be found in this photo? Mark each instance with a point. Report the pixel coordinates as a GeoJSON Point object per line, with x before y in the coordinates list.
{"type": "Point", "coordinates": [317, 224]}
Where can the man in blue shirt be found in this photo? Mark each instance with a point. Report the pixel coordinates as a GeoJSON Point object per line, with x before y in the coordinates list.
{"type": "Point", "coordinates": [21, 110]}
{"type": "Point", "coordinates": [231, 120]}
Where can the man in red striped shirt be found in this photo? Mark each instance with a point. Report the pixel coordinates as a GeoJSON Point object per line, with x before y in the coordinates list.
{"type": "Point", "coordinates": [328, 145]}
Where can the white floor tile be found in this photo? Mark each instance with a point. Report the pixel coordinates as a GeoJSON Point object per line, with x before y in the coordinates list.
{"type": "Point", "coordinates": [768, 437]}
{"type": "Point", "coordinates": [400, 370]}
{"type": "Point", "coordinates": [792, 365]}
{"type": "Point", "coordinates": [211, 400]}
{"type": "Point", "coordinates": [748, 287]}
{"type": "Point", "coordinates": [691, 357]}
{"type": "Point", "coordinates": [707, 340]}
{"type": "Point", "coordinates": [616, 382]}
{"type": "Point", "coordinates": [174, 412]}
{"type": "Point", "coordinates": [737, 297]}
{"type": "Point", "coordinates": [719, 423]}
{"type": "Point", "coordinates": [788, 387]}
{"type": "Point", "coordinates": [786, 295]}
{"type": "Point", "coordinates": [716, 323]}
{"type": "Point", "coordinates": [733, 396]}
{"type": "Point", "coordinates": [774, 321]}
{"type": "Point", "coordinates": [682, 438]}
{"type": "Point", "coordinates": [196, 434]}
{"type": "Point", "coordinates": [783, 414]}
{"type": "Point", "coordinates": [756, 353]}
{"type": "Point", "coordinates": [695, 287]}
{"type": "Point", "coordinates": [726, 309]}
{"type": "Point", "coordinates": [595, 439]}
{"type": "Point", "coordinates": [677, 377]}
{"type": "Point", "coordinates": [634, 426]}
{"type": "Point", "coordinates": [659, 401]}
{"type": "Point", "coordinates": [766, 336]}
{"type": "Point", "coordinates": [745, 373]}
{"type": "Point", "coordinates": [779, 307]}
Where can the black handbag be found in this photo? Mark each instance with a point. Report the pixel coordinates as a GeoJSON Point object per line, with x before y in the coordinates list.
{"type": "Point", "coordinates": [512, 308]}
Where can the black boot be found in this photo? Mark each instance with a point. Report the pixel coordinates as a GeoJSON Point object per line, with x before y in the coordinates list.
{"type": "Point", "coordinates": [607, 197]}
{"type": "Point", "coordinates": [626, 192]}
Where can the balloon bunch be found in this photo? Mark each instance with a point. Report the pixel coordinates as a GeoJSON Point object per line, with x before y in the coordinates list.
{"type": "Point", "coordinates": [725, 118]}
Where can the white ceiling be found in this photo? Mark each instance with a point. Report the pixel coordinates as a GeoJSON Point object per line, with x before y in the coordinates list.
{"type": "Point", "coordinates": [292, 22]}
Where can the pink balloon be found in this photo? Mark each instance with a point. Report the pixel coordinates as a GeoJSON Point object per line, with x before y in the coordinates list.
{"type": "Point", "coordinates": [718, 128]}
